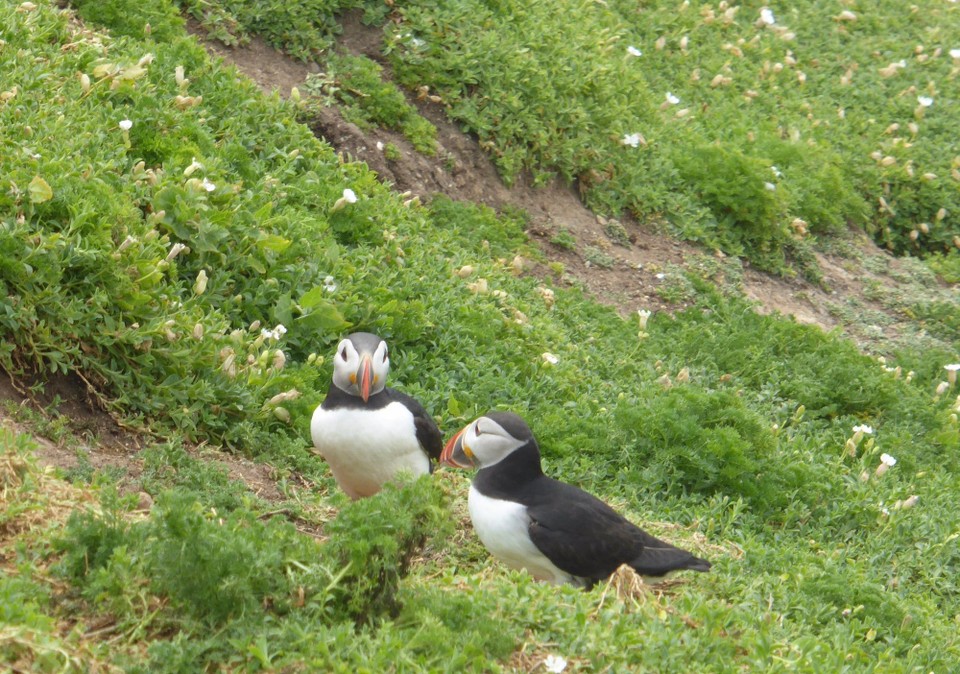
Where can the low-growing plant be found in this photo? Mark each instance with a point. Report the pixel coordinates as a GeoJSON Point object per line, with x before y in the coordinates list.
{"type": "Point", "coordinates": [374, 540]}
{"type": "Point", "coordinates": [564, 239]}
{"type": "Point", "coordinates": [357, 84]}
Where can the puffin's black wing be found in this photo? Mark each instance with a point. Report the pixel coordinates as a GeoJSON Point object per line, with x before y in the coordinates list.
{"type": "Point", "coordinates": [428, 435]}
{"type": "Point", "coordinates": [585, 537]}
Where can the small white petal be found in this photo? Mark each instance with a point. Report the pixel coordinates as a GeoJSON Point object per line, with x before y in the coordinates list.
{"type": "Point", "coordinates": [671, 99]}
{"type": "Point", "coordinates": [770, 187]}
{"type": "Point", "coordinates": [555, 664]}
{"type": "Point", "coordinates": [888, 460]}
{"type": "Point", "coordinates": [867, 430]}
{"type": "Point", "coordinates": [955, 53]}
{"type": "Point", "coordinates": [125, 124]}
{"type": "Point", "coordinates": [549, 358]}
{"type": "Point", "coordinates": [350, 196]}
{"type": "Point", "coordinates": [925, 101]}
{"type": "Point", "coordinates": [633, 51]}
{"type": "Point", "coordinates": [766, 16]}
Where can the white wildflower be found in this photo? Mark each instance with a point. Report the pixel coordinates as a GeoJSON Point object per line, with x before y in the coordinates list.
{"type": "Point", "coordinates": [548, 295]}
{"type": "Point", "coordinates": [886, 461]}
{"type": "Point", "coordinates": [925, 101]}
{"type": "Point", "coordinates": [644, 315]}
{"type": "Point", "coordinates": [952, 369]}
{"type": "Point", "coordinates": [479, 287]}
{"type": "Point", "coordinates": [942, 388]}
{"type": "Point", "coordinates": [207, 185]}
{"type": "Point", "coordinates": [770, 187]}
{"type": "Point", "coordinates": [349, 197]}
{"type": "Point", "coordinates": [633, 51]}
{"type": "Point", "coordinates": [200, 285]}
{"type": "Point", "coordinates": [549, 359]}
{"type": "Point", "coordinates": [329, 283]}
{"type": "Point", "coordinates": [955, 54]}
{"type": "Point", "coordinates": [866, 430]}
{"type": "Point", "coordinates": [907, 503]}
{"type": "Point", "coordinates": [275, 334]}
{"type": "Point", "coordinates": [633, 140]}
{"type": "Point", "coordinates": [125, 124]}
{"type": "Point", "coordinates": [555, 664]}
{"type": "Point", "coordinates": [194, 166]}
{"type": "Point", "coordinates": [175, 250]}
{"type": "Point", "coordinates": [766, 16]}
{"type": "Point", "coordinates": [671, 99]}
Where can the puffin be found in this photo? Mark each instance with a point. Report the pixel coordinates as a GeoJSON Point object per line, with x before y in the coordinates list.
{"type": "Point", "coordinates": [556, 531]}
{"type": "Point", "coordinates": [366, 431]}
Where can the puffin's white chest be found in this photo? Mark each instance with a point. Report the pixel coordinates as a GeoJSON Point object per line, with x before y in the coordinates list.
{"type": "Point", "coordinates": [366, 448]}
{"type": "Point", "coordinates": [503, 528]}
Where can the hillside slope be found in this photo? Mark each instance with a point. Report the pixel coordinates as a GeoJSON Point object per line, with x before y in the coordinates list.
{"type": "Point", "coordinates": [162, 218]}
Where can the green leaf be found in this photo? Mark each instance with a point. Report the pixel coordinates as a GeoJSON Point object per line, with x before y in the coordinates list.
{"type": "Point", "coordinates": [40, 190]}
{"type": "Point", "coordinates": [325, 316]}
{"type": "Point", "coordinates": [273, 242]}
{"type": "Point", "coordinates": [312, 298]}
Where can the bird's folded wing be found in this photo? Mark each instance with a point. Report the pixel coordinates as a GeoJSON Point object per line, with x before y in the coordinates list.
{"type": "Point", "coordinates": [428, 435]}
{"type": "Point", "coordinates": [583, 536]}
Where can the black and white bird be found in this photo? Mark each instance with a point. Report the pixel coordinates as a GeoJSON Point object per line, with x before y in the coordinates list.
{"type": "Point", "coordinates": [557, 532]}
{"type": "Point", "coordinates": [366, 431]}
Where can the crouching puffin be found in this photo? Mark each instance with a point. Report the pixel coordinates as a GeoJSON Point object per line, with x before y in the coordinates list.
{"type": "Point", "coordinates": [366, 431]}
{"type": "Point", "coordinates": [554, 530]}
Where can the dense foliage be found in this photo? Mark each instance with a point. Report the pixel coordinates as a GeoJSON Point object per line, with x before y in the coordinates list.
{"type": "Point", "coordinates": [160, 220]}
{"type": "Point", "coordinates": [747, 128]}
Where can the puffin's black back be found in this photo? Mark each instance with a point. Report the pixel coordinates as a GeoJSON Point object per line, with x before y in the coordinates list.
{"type": "Point", "coordinates": [579, 533]}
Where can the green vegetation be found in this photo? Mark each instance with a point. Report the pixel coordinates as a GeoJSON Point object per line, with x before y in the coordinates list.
{"type": "Point", "coordinates": [356, 83]}
{"type": "Point", "coordinates": [742, 125]}
{"type": "Point", "coordinates": [158, 259]}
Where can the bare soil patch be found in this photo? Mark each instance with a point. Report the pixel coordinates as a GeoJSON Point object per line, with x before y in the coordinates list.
{"type": "Point", "coordinates": [93, 439]}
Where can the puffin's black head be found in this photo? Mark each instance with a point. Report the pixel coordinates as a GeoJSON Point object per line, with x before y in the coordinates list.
{"type": "Point", "coordinates": [488, 440]}
{"type": "Point", "coordinates": [361, 365]}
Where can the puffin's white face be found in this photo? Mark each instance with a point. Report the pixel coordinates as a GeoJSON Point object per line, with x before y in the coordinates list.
{"type": "Point", "coordinates": [482, 443]}
{"type": "Point", "coordinates": [361, 365]}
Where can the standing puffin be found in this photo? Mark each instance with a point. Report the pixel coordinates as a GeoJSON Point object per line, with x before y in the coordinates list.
{"type": "Point", "coordinates": [556, 531]}
{"type": "Point", "coordinates": [366, 431]}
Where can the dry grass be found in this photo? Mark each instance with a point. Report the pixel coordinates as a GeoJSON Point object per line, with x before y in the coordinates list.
{"type": "Point", "coordinates": [33, 503]}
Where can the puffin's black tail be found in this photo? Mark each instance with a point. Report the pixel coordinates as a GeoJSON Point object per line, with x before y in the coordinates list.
{"type": "Point", "coordinates": [659, 561]}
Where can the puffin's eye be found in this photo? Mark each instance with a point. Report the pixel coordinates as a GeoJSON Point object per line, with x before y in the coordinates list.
{"type": "Point", "coordinates": [476, 429]}
{"type": "Point", "coordinates": [384, 356]}
{"type": "Point", "coordinates": [343, 353]}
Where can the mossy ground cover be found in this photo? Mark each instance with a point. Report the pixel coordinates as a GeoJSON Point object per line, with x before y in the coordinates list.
{"type": "Point", "coordinates": [158, 260]}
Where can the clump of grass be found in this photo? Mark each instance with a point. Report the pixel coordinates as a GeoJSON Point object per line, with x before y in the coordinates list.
{"type": "Point", "coordinates": [357, 84]}
{"type": "Point", "coordinates": [374, 541]}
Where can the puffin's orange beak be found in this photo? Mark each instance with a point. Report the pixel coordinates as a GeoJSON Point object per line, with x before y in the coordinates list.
{"type": "Point", "coordinates": [456, 454]}
{"type": "Point", "coordinates": [366, 377]}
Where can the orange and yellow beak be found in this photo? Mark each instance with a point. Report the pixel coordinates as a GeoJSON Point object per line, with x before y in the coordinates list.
{"type": "Point", "coordinates": [457, 454]}
{"type": "Point", "coordinates": [366, 377]}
